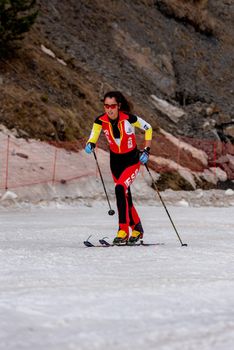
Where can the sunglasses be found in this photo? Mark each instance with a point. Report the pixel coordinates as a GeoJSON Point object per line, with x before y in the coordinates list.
{"type": "Point", "coordinates": [113, 106]}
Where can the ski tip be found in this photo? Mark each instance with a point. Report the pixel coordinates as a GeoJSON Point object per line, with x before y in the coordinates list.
{"type": "Point", "coordinates": [88, 244]}
{"type": "Point", "coordinates": [104, 242]}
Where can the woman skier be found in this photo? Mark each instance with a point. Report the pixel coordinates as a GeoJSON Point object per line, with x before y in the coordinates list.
{"type": "Point", "coordinates": [118, 125]}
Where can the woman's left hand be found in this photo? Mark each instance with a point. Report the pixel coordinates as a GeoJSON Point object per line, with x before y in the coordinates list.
{"type": "Point", "coordinates": [144, 155]}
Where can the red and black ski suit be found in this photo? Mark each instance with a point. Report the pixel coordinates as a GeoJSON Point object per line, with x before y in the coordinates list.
{"type": "Point", "coordinates": [124, 159]}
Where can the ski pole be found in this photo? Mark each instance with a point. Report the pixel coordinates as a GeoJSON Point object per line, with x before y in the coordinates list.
{"type": "Point", "coordinates": [156, 188]}
{"type": "Point", "coordinates": [111, 211]}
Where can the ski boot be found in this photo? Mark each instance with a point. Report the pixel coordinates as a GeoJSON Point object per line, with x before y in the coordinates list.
{"type": "Point", "coordinates": [137, 234]}
{"type": "Point", "coordinates": [121, 238]}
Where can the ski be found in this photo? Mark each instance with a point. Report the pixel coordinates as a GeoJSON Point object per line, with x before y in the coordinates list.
{"type": "Point", "coordinates": [103, 243]}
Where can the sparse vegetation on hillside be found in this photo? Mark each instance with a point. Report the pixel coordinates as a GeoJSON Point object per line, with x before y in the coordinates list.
{"type": "Point", "coordinates": [193, 12]}
{"type": "Point", "coordinates": [16, 18]}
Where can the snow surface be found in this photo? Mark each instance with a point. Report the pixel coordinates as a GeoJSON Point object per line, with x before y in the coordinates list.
{"type": "Point", "coordinates": [56, 294]}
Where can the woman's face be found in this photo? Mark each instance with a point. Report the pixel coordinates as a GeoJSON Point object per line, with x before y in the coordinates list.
{"type": "Point", "coordinates": [111, 107]}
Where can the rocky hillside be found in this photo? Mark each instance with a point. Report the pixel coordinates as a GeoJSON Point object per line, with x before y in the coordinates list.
{"type": "Point", "coordinates": [173, 59]}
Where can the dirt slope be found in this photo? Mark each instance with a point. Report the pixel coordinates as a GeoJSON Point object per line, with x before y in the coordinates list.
{"type": "Point", "coordinates": [179, 51]}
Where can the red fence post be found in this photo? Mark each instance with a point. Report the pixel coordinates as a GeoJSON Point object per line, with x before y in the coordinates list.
{"type": "Point", "coordinates": [215, 159]}
{"type": "Point", "coordinates": [7, 162]}
{"type": "Point", "coordinates": [178, 154]}
{"type": "Point", "coordinates": [54, 167]}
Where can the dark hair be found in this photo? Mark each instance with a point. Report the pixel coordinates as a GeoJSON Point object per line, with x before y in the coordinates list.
{"type": "Point", "coordinates": [125, 105]}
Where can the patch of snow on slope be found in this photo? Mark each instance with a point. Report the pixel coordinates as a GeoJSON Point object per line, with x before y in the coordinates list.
{"type": "Point", "coordinates": [196, 153]}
